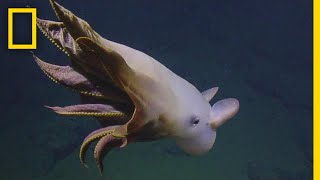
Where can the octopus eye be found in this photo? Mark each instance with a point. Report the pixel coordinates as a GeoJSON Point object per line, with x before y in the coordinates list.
{"type": "Point", "coordinates": [195, 121]}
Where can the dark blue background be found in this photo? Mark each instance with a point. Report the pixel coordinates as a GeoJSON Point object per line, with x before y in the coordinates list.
{"type": "Point", "coordinates": [257, 51]}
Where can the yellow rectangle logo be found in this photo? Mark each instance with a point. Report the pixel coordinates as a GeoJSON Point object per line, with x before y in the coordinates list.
{"type": "Point", "coordinates": [33, 12]}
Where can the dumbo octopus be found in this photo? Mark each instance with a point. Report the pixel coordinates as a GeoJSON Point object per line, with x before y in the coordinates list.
{"type": "Point", "coordinates": [134, 97]}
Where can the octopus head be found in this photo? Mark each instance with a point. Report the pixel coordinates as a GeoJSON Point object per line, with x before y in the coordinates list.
{"type": "Point", "coordinates": [198, 130]}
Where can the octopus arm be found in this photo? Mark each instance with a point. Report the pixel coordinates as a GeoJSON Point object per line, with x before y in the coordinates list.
{"type": "Point", "coordinates": [113, 63]}
{"type": "Point", "coordinates": [91, 110]}
{"type": "Point", "coordinates": [76, 26]}
{"type": "Point", "coordinates": [124, 77]}
{"type": "Point", "coordinates": [58, 35]}
{"type": "Point", "coordinates": [72, 79]}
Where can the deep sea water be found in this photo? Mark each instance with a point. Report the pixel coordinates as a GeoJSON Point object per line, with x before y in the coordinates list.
{"type": "Point", "coordinates": [257, 51]}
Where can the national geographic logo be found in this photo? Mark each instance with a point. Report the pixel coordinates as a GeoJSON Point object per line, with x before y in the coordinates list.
{"type": "Point", "coordinates": [11, 12]}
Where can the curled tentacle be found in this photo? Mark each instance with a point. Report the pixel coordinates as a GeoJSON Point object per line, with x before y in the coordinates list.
{"type": "Point", "coordinates": [95, 135]}
{"type": "Point", "coordinates": [103, 146]}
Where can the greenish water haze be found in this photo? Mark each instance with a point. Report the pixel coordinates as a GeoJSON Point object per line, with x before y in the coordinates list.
{"type": "Point", "coordinates": [259, 52]}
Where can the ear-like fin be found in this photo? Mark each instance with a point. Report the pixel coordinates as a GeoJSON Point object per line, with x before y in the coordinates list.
{"type": "Point", "coordinates": [223, 110]}
{"type": "Point", "coordinates": [75, 25]}
{"type": "Point", "coordinates": [209, 94]}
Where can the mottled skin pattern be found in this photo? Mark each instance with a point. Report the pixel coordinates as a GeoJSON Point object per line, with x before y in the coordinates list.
{"type": "Point", "coordinates": [134, 97]}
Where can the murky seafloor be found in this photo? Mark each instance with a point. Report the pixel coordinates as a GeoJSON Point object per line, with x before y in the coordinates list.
{"type": "Point", "coordinates": [259, 52]}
